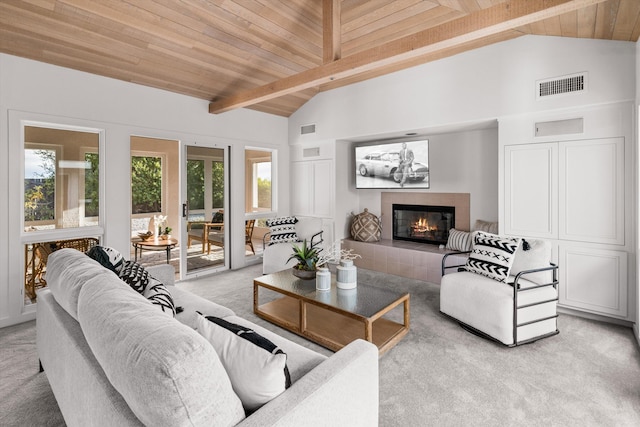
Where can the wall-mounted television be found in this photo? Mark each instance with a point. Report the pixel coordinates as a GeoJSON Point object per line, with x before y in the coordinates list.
{"type": "Point", "coordinates": [398, 164]}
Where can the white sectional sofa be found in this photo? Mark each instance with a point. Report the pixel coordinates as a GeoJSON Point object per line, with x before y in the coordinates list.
{"type": "Point", "coordinates": [114, 359]}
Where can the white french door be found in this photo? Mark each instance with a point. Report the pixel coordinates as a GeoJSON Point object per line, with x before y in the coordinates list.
{"type": "Point", "coordinates": [204, 183]}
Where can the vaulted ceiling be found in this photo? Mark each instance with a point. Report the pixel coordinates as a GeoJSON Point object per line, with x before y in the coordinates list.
{"type": "Point", "coordinates": [274, 55]}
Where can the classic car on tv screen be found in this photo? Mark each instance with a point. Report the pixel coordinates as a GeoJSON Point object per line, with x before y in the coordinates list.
{"type": "Point", "coordinates": [380, 166]}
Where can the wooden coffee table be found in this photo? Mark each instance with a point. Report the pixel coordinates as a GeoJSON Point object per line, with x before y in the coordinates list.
{"type": "Point", "coordinates": [336, 317]}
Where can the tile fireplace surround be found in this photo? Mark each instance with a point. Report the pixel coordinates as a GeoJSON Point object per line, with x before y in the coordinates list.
{"type": "Point", "coordinates": [410, 259]}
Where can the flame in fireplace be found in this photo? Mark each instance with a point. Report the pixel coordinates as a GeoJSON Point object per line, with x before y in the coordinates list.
{"type": "Point", "coordinates": [422, 226]}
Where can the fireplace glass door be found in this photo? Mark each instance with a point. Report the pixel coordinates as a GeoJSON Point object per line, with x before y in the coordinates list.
{"type": "Point", "coordinates": [423, 224]}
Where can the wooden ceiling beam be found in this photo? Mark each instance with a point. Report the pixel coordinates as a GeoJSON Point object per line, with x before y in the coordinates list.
{"type": "Point", "coordinates": [501, 17]}
{"type": "Point", "coordinates": [331, 31]}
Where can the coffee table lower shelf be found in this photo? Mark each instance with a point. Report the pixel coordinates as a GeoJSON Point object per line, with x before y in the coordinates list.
{"type": "Point", "coordinates": [331, 329]}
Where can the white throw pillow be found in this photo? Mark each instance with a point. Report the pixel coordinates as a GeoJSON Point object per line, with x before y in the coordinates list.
{"type": "Point", "coordinates": [459, 240]}
{"type": "Point", "coordinates": [492, 256]}
{"type": "Point", "coordinates": [537, 255]}
{"type": "Point", "coordinates": [256, 367]}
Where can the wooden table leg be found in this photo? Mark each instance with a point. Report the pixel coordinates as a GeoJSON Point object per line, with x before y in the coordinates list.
{"type": "Point", "coordinates": [368, 330]}
{"type": "Point", "coordinates": [255, 297]}
{"type": "Point", "coordinates": [303, 317]}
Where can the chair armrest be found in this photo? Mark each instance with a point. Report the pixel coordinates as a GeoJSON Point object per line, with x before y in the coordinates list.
{"type": "Point", "coordinates": [342, 390]}
{"type": "Point", "coordinates": [447, 255]}
{"type": "Point", "coordinates": [209, 225]}
{"type": "Point", "coordinates": [265, 239]}
{"type": "Point", "coordinates": [191, 223]}
{"type": "Point", "coordinates": [554, 282]}
{"type": "Point", "coordinates": [316, 239]}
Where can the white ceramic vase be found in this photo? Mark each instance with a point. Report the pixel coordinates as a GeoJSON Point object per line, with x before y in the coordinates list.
{"type": "Point", "coordinates": [323, 279]}
{"type": "Point", "coordinates": [346, 275]}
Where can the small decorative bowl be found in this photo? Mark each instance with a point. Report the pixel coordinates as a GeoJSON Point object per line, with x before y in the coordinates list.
{"type": "Point", "coordinates": [145, 236]}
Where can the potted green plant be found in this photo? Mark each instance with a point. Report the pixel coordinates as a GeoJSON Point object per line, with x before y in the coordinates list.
{"type": "Point", "coordinates": [307, 257]}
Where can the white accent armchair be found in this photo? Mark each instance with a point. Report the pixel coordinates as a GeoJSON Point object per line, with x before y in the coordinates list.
{"type": "Point", "coordinates": [520, 311]}
{"type": "Point", "coordinates": [275, 255]}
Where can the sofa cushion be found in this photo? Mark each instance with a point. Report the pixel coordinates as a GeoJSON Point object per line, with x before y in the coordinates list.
{"type": "Point", "coordinates": [167, 373]}
{"type": "Point", "coordinates": [300, 360]}
{"type": "Point", "coordinates": [256, 367]}
{"type": "Point", "coordinates": [282, 230]}
{"type": "Point", "coordinates": [459, 240]}
{"type": "Point", "coordinates": [67, 272]}
{"type": "Point", "coordinates": [530, 255]}
{"type": "Point", "coordinates": [492, 255]}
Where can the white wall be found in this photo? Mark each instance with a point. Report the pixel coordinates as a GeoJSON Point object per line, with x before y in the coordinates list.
{"type": "Point", "coordinates": [44, 92]}
{"type": "Point", "coordinates": [441, 98]}
{"type": "Point", "coordinates": [471, 87]}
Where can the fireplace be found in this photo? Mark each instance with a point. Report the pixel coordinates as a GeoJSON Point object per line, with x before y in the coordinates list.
{"type": "Point", "coordinates": [423, 223]}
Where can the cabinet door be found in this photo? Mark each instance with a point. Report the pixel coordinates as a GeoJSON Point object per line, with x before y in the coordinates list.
{"type": "Point", "coordinates": [301, 178]}
{"type": "Point", "coordinates": [312, 188]}
{"type": "Point", "coordinates": [323, 188]}
{"type": "Point", "coordinates": [592, 191]}
{"type": "Point", "coordinates": [530, 185]}
{"type": "Point", "coordinates": [593, 279]}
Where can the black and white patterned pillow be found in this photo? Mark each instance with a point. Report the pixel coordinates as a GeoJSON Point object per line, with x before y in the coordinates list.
{"type": "Point", "coordinates": [492, 256]}
{"type": "Point", "coordinates": [107, 257]}
{"type": "Point", "coordinates": [256, 367]}
{"type": "Point", "coordinates": [139, 279]}
{"type": "Point", "coordinates": [459, 240]}
{"type": "Point", "coordinates": [282, 230]}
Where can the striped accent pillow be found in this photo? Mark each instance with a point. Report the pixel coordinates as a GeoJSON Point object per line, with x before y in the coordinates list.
{"type": "Point", "coordinates": [283, 230]}
{"type": "Point", "coordinates": [492, 256]}
{"type": "Point", "coordinates": [459, 240]}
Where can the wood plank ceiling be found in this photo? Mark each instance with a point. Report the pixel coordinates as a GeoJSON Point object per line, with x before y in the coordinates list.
{"type": "Point", "coordinates": [276, 54]}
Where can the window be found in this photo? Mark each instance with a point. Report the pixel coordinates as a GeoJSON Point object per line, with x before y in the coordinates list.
{"type": "Point", "coordinates": [61, 178]}
{"type": "Point", "coordinates": [91, 186]}
{"type": "Point", "coordinates": [195, 184]}
{"type": "Point", "coordinates": [217, 188]}
{"type": "Point", "coordinates": [146, 184]}
{"type": "Point", "coordinates": [259, 190]}
{"type": "Point", "coordinates": [205, 182]}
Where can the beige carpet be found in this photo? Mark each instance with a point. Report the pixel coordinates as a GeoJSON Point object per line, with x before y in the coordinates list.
{"type": "Point", "coordinates": [438, 375]}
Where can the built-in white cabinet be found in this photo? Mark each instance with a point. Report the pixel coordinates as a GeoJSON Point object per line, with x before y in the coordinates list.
{"type": "Point", "coordinates": [312, 185]}
{"type": "Point", "coordinates": [576, 191]}
{"type": "Point", "coordinates": [572, 192]}
{"type": "Point", "coordinates": [531, 190]}
{"type": "Point", "coordinates": [593, 279]}
{"type": "Point", "coordinates": [591, 191]}
{"type": "Point", "coordinates": [566, 190]}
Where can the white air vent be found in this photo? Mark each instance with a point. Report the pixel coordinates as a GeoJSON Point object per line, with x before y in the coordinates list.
{"type": "Point", "coordinates": [311, 152]}
{"type": "Point", "coordinates": [306, 129]}
{"type": "Point", "coordinates": [560, 127]}
{"type": "Point", "coordinates": [561, 85]}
